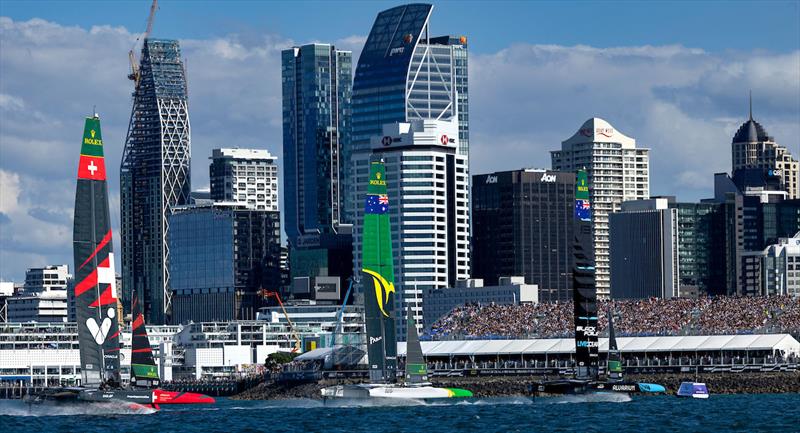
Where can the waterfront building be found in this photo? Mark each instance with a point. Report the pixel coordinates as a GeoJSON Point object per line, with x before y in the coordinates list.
{"type": "Point", "coordinates": [245, 176]}
{"type": "Point", "coordinates": [317, 88]}
{"type": "Point", "coordinates": [522, 225]}
{"type": "Point", "coordinates": [618, 171]}
{"type": "Point", "coordinates": [427, 187]}
{"type": "Point", "coordinates": [403, 74]}
{"type": "Point", "coordinates": [39, 354]}
{"type": "Point", "coordinates": [753, 148]}
{"type": "Point", "coordinates": [507, 291]}
{"type": "Point", "coordinates": [43, 297]}
{"type": "Point", "coordinates": [222, 254]}
{"type": "Point", "coordinates": [154, 175]}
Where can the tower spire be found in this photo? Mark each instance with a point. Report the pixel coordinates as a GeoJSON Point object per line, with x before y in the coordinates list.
{"type": "Point", "coordinates": [751, 104]}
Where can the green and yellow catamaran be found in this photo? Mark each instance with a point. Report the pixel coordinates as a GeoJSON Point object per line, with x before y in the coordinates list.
{"type": "Point", "coordinates": [377, 276]}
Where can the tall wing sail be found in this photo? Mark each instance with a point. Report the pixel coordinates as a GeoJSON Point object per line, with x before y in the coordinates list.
{"type": "Point", "coordinates": [377, 275]}
{"type": "Point", "coordinates": [584, 294]}
{"type": "Point", "coordinates": [143, 367]}
{"type": "Point", "coordinates": [416, 369]}
{"type": "Point", "coordinates": [95, 291]}
{"type": "Point", "coordinates": [614, 360]}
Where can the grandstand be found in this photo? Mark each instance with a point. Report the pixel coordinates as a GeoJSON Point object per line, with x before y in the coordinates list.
{"type": "Point", "coordinates": [648, 317]}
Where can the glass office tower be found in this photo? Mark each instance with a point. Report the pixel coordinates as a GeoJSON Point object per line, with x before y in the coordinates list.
{"type": "Point", "coordinates": [317, 90]}
{"type": "Point", "coordinates": [154, 175]}
{"type": "Point", "coordinates": [404, 74]}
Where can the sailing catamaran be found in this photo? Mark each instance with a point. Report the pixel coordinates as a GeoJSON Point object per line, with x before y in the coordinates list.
{"type": "Point", "coordinates": [584, 295]}
{"type": "Point", "coordinates": [379, 299]}
{"type": "Point", "coordinates": [96, 301]}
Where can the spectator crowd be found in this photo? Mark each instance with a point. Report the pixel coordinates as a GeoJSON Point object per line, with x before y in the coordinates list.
{"type": "Point", "coordinates": [646, 317]}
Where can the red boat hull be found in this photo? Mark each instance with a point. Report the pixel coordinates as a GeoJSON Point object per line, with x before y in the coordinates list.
{"type": "Point", "coordinates": [175, 397]}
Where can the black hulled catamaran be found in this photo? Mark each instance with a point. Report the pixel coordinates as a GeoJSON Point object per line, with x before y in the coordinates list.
{"type": "Point", "coordinates": [97, 303]}
{"type": "Point", "coordinates": [584, 296]}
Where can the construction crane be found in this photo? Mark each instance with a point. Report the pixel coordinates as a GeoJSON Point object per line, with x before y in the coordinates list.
{"type": "Point", "coordinates": [269, 294]}
{"type": "Point", "coordinates": [134, 75]}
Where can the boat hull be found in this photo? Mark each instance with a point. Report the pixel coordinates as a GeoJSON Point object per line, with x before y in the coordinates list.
{"type": "Point", "coordinates": [579, 387]}
{"type": "Point", "coordinates": [145, 397]}
{"type": "Point", "coordinates": [392, 392]}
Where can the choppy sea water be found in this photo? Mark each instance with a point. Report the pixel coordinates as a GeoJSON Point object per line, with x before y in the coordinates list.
{"type": "Point", "coordinates": [610, 413]}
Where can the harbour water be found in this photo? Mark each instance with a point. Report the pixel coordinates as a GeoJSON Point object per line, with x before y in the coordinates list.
{"type": "Point", "coordinates": [612, 413]}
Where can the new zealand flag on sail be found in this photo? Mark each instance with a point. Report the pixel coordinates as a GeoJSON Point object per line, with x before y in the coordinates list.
{"type": "Point", "coordinates": [377, 204]}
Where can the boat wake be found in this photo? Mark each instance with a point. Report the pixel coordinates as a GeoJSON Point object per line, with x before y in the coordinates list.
{"type": "Point", "coordinates": [21, 408]}
{"type": "Point", "coordinates": [383, 402]}
{"type": "Point", "coordinates": [600, 397]}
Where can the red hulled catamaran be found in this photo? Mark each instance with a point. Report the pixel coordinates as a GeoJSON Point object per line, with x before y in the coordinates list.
{"type": "Point", "coordinates": [97, 305]}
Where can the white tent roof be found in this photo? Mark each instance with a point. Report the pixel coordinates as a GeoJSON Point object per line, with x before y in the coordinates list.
{"type": "Point", "coordinates": [784, 342]}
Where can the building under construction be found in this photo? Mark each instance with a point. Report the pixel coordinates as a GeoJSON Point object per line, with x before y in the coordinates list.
{"type": "Point", "coordinates": [154, 174]}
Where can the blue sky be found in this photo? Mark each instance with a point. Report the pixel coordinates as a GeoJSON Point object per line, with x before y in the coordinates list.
{"type": "Point", "coordinates": [673, 75]}
{"type": "Point", "coordinates": [711, 25]}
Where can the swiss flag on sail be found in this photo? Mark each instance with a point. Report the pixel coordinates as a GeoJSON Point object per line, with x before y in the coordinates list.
{"type": "Point", "coordinates": [92, 168]}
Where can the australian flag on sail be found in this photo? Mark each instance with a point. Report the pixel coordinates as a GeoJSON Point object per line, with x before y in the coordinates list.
{"type": "Point", "coordinates": [583, 210]}
{"type": "Point", "coordinates": [377, 204]}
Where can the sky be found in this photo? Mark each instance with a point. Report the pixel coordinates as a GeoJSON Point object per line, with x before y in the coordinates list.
{"type": "Point", "coordinates": [673, 75]}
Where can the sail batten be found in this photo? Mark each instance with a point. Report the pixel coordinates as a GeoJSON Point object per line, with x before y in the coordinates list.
{"type": "Point", "coordinates": [95, 293]}
{"type": "Point", "coordinates": [377, 276]}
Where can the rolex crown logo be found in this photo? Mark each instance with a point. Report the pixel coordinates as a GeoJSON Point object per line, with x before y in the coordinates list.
{"type": "Point", "coordinates": [92, 132]}
{"type": "Point", "coordinates": [378, 175]}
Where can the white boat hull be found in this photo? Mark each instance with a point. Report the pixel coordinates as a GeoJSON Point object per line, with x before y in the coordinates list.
{"type": "Point", "coordinates": [386, 391]}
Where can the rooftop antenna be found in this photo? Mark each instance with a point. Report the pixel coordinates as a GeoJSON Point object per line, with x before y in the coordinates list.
{"type": "Point", "coordinates": [751, 104]}
{"type": "Point", "coordinates": [94, 110]}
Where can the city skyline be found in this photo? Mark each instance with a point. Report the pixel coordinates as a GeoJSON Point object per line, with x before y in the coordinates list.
{"type": "Point", "coordinates": [686, 110]}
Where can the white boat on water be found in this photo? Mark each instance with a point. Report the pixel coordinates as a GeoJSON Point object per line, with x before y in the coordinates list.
{"type": "Point", "coordinates": [693, 390]}
{"type": "Point", "coordinates": [378, 277]}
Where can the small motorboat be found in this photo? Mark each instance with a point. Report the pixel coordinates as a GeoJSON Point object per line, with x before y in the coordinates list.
{"type": "Point", "coordinates": [693, 390]}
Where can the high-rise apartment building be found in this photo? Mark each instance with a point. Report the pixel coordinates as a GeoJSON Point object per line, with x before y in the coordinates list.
{"type": "Point", "coordinates": [522, 225]}
{"type": "Point", "coordinates": [618, 171]}
{"type": "Point", "coordinates": [245, 176]}
{"type": "Point", "coordinates": [753, 148]}
{"type": "Point", "coordinates": [317, 87]}
{"type": "Point", "coordinates": [427, 188]}
{"type": "Point", "coordinates": [154, 174]}
{"type": "Point", "coordinates": [403, 74]}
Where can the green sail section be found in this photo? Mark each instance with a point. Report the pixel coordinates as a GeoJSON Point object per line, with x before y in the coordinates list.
{"type": "Point", "coordinates": [377, 276]}
{"type": "Point", "coordinates": [141, 371]}
{"type": "Point", "coordinates": [92, 144]}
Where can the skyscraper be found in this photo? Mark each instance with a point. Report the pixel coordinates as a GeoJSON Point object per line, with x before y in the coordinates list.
{"type": "Point", "coordinates": [317, 91]}
{"type": "Point", "coordinates": [154, 174]}
{"type": "Point", "coordinates": [404, 74]}
{"type": "Point", "coordinates": [753, 148]}
{"type": "Point", "coordinates": [522, 225]}
{"type": "Point", "coordinates": [245, 176]}
{"type": "Point", "coordinates": [428, 201]}
{"type": "Point", "coordinates": [618, 171]}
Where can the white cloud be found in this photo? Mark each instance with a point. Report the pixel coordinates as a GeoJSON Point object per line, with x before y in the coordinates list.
{"type": "Point", "coordinates": [684, 103]}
